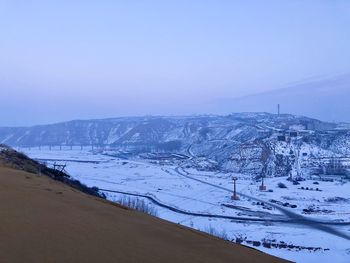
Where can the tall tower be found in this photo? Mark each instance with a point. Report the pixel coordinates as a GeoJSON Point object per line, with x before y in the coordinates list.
{"type": "Point", "coordinates": [234, 196]}
{"type": "Point", "coordinates": [278, 109]}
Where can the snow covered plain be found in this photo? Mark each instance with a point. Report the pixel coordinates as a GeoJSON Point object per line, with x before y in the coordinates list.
{"type": "Point", "coordinates": [189, 197]}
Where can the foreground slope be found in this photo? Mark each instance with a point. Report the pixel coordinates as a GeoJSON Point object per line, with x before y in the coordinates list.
{"type": "Point", "coordinates": [43, 220]}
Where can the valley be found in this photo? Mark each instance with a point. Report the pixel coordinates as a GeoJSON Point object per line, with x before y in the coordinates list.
{"type": "Point", "coordinates": [291, 172]}
{"type": "Point", "coordinates": [292, 222]}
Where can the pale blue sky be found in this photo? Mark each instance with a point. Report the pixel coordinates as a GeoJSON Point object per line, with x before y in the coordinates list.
{"type": "Point", "coordinates": [70, 59]}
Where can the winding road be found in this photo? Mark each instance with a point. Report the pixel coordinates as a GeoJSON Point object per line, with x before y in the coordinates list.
{"type": "Point", "coordinates": [185, 212]}
{"type": "Point", "coordinates": [292, 216]}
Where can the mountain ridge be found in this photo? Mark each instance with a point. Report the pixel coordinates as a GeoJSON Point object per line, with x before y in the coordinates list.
{"type": "Point", "coordinates": [115, 130]}
{"type": "Point", "coordinates": [251, 143]}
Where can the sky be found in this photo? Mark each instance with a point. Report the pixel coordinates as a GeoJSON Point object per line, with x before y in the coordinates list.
{"type": "Point", "coordinates": [72, 59]}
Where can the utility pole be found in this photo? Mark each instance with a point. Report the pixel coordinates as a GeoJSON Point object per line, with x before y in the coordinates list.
{"type": "Point", "coordinates": [234, 196]}
{"type": "Point", "coordinates": [262, 186]}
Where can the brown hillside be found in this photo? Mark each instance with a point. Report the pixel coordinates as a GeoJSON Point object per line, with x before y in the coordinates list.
{"type": "Point", "coordinates": [43, 220]}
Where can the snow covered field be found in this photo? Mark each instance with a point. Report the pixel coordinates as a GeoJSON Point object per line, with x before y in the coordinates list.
{"type": "Point", "coordinates": [195, 199]}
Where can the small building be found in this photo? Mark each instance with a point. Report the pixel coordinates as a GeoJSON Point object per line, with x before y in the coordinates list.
{"type": "Point", "coordinates": [281, 138]}
{"type": "Point", "coordinates": [293, 134]}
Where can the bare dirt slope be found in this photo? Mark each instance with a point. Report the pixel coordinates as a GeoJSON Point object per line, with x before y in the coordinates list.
{"type": "Point", "coordinates": [42, 220]}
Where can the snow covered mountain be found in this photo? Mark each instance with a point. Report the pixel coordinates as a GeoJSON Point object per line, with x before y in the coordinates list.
{"type": "Point", "coordinates": [150, 131]}
{"type": "Point", "coordinates": [255, 143]}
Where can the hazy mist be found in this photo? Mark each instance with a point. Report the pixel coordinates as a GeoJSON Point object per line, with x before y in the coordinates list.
{"type": "Point", "coordinates": [61, 60]}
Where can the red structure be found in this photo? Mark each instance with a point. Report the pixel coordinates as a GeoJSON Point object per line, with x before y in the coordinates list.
{"type": "Point", "coordinates": [262, 187]}
{"type": "Point", "coordinates": [234, 196]}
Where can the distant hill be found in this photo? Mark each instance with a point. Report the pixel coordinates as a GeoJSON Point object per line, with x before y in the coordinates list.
{"type": "Point", "coordinates": [155, 132]}
{"type": "Point", "coordinates": [326, 99]}
{"type": "Point", "coordinates": [226, 142]}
